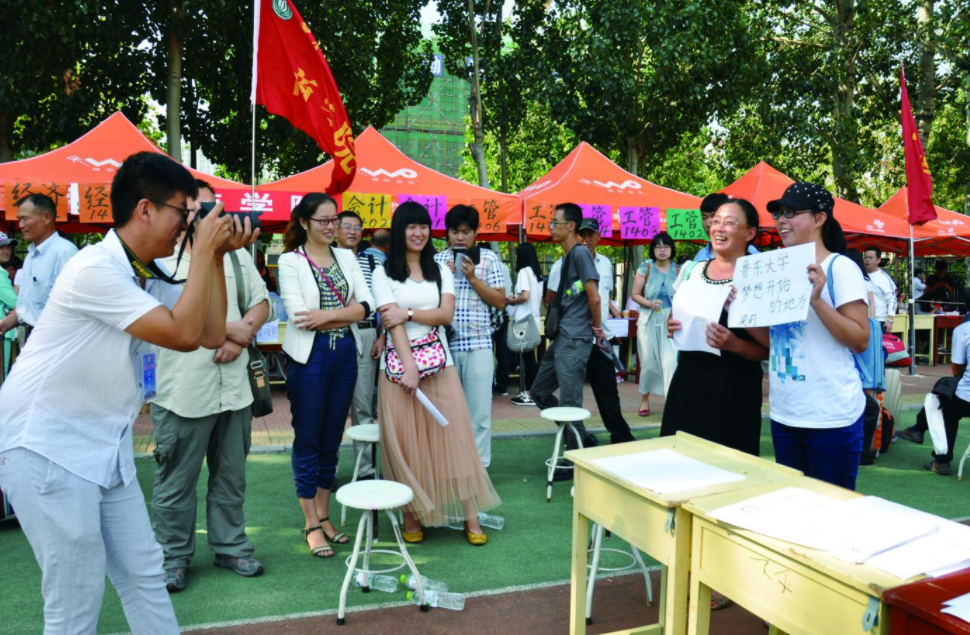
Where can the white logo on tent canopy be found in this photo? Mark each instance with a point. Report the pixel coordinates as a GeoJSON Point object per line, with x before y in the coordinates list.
{"type": "Point", "coordinates": [101, 164]}
{"type": "Point", "coordinates": [403, 172]}
{"type": "Point", "coordinates": [633, 185]}
{"type": "Point", "coordinates": [537, 186]}
{"type": "Point", "coordinates": [879, 224]}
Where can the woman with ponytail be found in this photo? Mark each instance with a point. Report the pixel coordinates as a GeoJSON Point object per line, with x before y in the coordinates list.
{"type": "Point", "coordinates": [816, 395]}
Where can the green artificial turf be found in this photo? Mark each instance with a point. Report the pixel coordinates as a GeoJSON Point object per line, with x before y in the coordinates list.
{"type": "Point", "coordinates": [534, 547]}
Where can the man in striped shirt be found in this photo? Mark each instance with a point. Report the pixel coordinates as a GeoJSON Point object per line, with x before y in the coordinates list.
{"type": "Point", "coordinates": [350, 227]}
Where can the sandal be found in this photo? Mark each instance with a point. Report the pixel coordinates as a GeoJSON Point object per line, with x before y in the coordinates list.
{"type": "Point", "coordinates": [644, 412]}
{"type": "Point", "coordinates": [720, 603]}
{"type": "Point", "coordinates": [324, 551]}
{"type": "Point", "coordinates": [340, 538]}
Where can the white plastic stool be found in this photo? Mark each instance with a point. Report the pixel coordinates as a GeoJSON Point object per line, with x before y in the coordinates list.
{"type": "Point", "coordinates": [563, 416]}
{"type": "Point", "coordinates": [962, 461]}
{"type": "Point", "coordinates": [594, 566]}
{"type": "Point", "coordinates": [365, 433]}
{"type": "Point", "coordinates": [375, 496]}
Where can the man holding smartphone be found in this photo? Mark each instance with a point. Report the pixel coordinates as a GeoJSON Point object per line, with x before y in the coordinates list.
{"type": "Point", "coordinates": [478, 285]}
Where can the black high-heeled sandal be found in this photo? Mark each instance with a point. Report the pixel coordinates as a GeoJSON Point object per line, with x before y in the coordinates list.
{"type": "Point", "coordinates": [323, 551]}
{"type": "Point", "coordinates": [336, 538]}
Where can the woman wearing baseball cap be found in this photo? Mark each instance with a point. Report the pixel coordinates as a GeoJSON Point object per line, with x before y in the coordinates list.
{"type": "Point", "coordinates": [816, 395]}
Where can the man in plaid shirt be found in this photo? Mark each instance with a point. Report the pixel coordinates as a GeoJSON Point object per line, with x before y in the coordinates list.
{"type": "Point", "coordinates": [479, 284]}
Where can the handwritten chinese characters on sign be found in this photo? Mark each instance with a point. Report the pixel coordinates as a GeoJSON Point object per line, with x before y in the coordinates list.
{"type": "Point", "coordinates": [639, 223]}
{"type": "Point", "coordinates": [492, 221]}
{"type": "Point", "coordinates": [685, 224]}
{"type": "Point", "coordinates": [537, 219]}
{"type": "Point", "coordinates": [16, 190]}
{"type": "Point", "coordinates": [373, 209]}
{"type": "Point", "coordinates": [603, 214]}
{"type": "Point", "coordinates": [95, 203]}
{"type": "Point", "coordinates": [437, 207]}
{"type": "Point", "coordinates": [773, 287]}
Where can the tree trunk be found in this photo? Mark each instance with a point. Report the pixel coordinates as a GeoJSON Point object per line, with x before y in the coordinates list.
{"type": "Point", "coordinates": [475, 99]}
{"type": "Point", "coordinates": [966, 80]}
{"type": "Point", "coordinates": [632, 156]}
{"type": "Point", "coordinates": [6, 136]}
{"type": "Point", "coordinates": [844, 133]}
{"type": "Point", "coordinates": [173, 109]}
{"type": "Point", "coordinates": [927, 70]}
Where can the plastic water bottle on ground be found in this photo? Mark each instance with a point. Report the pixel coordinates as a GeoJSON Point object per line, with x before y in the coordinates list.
{"type": "Point", "coordinates": [486, 520]}
{"type": "Point", "coordinates": [384, 583]}
{"type": "Point", "coordinates": [440, 599]}
{"type": "Point", "coordinates": [429, 585]}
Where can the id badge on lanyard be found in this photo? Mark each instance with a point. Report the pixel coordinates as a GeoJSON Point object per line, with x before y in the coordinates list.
{"type": "Point", "coordinates": [145, 374]}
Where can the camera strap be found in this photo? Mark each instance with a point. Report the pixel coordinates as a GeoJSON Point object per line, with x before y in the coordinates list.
{"type": "Point", "coordinates": [152, 270]}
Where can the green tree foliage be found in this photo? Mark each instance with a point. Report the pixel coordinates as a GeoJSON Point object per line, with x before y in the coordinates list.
{"type": "Point", "coordinates": [65, 66]}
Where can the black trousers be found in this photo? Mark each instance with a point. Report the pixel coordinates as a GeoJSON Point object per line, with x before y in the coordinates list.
{"type": "Point", "coordinates": [602, 379]}
{"type": "Point", "coordinates": [500, 382]}
{"type": "Point", "coordinates": [953, 411]}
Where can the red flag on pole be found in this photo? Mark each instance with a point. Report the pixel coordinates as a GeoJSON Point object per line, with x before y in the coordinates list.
{"type": "Point", "coordinates": [919, 182]}
{"type": "Point", "coordinates": [292, 79]}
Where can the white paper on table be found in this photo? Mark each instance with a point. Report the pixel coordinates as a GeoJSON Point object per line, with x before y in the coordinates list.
{"type": "Point", "coordinates": [939, 551]}
{"type": "Point", "coordinates": [958, 600]}
{"type": "Point", "coordinates": [696, 305]}
{"type": "Point", "coordinates": [269, 333]}
{"type": "Point", "coordinates": [959, 566]}
{"type": "Point", "coordinates": [666, 471]}
{"type": "Point", "coordinates": [431, 408]}
{"type": "Point", "coordinates": [958, 607]}
{"type": "Point", "coordinates": [871, 525]}
{"type": "Point", "coordinates": [773, 287]}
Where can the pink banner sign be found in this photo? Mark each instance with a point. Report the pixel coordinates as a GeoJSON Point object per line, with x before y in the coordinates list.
{"type": "Point", "coordinates": [639, 223]}
{"type": "Point", "coordinates": [602, 213]}
{"type": "Point", "coordinates": [437, 206]}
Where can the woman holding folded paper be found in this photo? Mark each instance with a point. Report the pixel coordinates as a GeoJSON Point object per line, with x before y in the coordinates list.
{"type": "Point", "coordinates": [817, 402]}
{"type": "Point", "coordinates": [416, 297]}
{"type": "Point", "coordinates": [716, 393]}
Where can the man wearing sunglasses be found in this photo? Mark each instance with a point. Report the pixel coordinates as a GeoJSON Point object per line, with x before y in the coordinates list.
{"type": "Point", "coordinates": [68, 407]}
{"type": "Point", "coordinates": [709, 205]}
{"type": "Point", "coordinates": [46, 256]}
{"type": "Point", "coordinates": [350, 229]}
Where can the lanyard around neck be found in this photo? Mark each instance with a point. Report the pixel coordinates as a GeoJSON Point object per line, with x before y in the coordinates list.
{"type": "Point", "coordinates": [152, 270]}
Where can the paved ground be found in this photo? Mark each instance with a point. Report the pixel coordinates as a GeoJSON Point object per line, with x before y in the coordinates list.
{"type": "Point", "coordinates": [274, 433]}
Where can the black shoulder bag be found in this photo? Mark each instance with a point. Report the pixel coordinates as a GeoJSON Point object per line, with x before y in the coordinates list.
{"type": "Point", "coordinates": [554, 312]}
{"type": "Point", "coordinates": [258, 376]}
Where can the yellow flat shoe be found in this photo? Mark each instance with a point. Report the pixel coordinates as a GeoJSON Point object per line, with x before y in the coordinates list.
{"type": "Point", "coordinates": [476, 540]}
{"type": "Point", "coordinates": [413, 536]}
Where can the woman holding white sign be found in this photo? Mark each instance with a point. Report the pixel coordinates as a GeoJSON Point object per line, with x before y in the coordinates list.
{"type": "Point", "coordinates": [416, 297]}
{"type": "Point", "coordinates": [653, 290]}
{"type": "Point", "coordinates": [817, 403]}
{"type": "Point", "coordinates": [716, 394]}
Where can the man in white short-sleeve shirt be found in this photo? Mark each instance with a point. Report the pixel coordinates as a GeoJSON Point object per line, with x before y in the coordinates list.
{"type": "Point", "coordinates": [884, 289]}
{"type": "Point", "coordinates": [67, 409]}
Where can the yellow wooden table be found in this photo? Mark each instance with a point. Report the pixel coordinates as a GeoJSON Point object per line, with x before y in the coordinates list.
{"type": "Point", "coordinates": [656, 524]}
{"type": "Point", "coordinates": [800, 591]}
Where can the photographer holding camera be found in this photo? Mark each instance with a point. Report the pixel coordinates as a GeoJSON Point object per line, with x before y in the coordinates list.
{"type": "Point", "coordinates": [67, 409]}
{"type": "Point", "coordinates": [203, 411]}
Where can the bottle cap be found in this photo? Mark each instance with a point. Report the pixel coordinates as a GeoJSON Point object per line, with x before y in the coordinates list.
{"type": "Point", "coordinates": [404, 578]}
{"type": "Point", "coordinates": [410, 595]}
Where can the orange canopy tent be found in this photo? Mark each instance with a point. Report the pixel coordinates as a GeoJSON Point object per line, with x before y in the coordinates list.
{"type": "Point", "coordinates": [949, 234]}
{"type": "Point", "coordinates": [861, 225]}
{"type": "Point", "coordinates": [385, 178]}
{"type": "Point", "coordinates": [605, 191]}
{"type": "Point", "coordinates": [78, 176]}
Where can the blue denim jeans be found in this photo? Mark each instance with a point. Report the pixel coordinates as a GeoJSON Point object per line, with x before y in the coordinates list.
{"type": "Point", "coordinates": [320, 393]}
{"type": "Point", "coordinates": [828, 454]}
{"type": "Point", "coordinates": [79, 532]}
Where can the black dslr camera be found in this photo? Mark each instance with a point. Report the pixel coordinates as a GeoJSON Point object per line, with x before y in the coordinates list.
{"type": "Point", "coordinates": [205, 208]}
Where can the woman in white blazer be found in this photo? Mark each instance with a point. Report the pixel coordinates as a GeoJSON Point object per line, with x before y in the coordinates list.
{"type": "Point", "coordinates": [325, 294]}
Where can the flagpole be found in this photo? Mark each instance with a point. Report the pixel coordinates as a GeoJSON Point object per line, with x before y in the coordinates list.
{"type": "Point", "coordinates": [912, 307]}
{"type": "Point", "coordinates": [252, 100]}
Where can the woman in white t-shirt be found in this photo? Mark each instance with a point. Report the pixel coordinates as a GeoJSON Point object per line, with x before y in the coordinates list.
{"type": "Point", "coordinates": [416, 296]}
{"type": "Point", "coordinates": [527, 301]}
{"type": "Point", "coordinates": [816, 396]}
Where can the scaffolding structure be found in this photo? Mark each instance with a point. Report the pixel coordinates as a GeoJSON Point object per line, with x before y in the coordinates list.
{"type": "Point", "coordinates": [433, 132]}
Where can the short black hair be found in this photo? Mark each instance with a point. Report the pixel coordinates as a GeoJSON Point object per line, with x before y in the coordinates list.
{"type": "Point", "coordinates": [572, 213]}
{"type": "Point", "coordinates": [205, 185]}
{"type": "Point", "coordinates": [875, 249]}
{"type": "Point", "coordinates": [461, 215]}
{"type": "Point", "coordinates": [147, 175]}
{"type": "Point", "coordinates": [917, 272]}
{"type": "Point", "coordinates": [42, 203]}
{"type": "Point", "coordinates": [350, 214]}
{"type": "Point", "coordinates": [966, 299]}
{"type": "Point", "coordinates": [665, 239]}
{"type": "Point", "coordinates": [711, 202]}
{"type": "Point", "coordinates": [941, 265]}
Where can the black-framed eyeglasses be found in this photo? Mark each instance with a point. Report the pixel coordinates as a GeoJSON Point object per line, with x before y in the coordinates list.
{"type": "Point", "coordinates": [184, 211]}
{"type": "Point", "coordinates": [328, 220]}
{"type": "Point", "coordinates": [791, 213]}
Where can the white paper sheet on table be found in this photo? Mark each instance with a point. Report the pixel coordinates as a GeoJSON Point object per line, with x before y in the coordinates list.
{"type": "Point", "coordinates": [947, 549]}
{"type": "Point", "coordinates": [269, 333]}
{"type": "Point", "coordinates": [958, 607]}
{"type": "Point", "coordinates": [666, 471]}
{"type": "Point", "coordinates": [852, 530]}
{"type": "Point", "coordinates": [695, 305]}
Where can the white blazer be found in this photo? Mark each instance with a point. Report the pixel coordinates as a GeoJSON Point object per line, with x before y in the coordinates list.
{"type": "Point", "coordinates": [299, 290]}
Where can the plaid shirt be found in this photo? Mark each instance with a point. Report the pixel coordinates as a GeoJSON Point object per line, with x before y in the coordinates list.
{"type": "Point", "coordinates": [472, 327]}
{"type": "Point", "coordinates": [329, 300]}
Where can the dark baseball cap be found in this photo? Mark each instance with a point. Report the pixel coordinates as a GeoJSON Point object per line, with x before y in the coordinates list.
{"type": "Point", "coordinates": [802, 195]}
{"type": "Point", "coordinates": [589, 225]}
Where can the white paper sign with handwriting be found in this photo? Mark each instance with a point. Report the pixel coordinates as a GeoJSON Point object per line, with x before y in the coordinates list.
{"type": "Point", "coordinates": [773, 287]}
